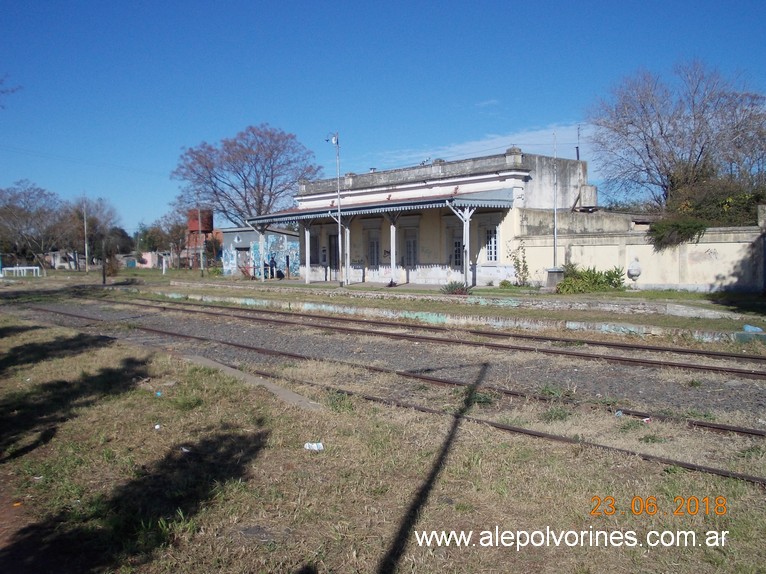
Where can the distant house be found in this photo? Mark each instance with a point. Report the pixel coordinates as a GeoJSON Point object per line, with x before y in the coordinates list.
{"type": "Point", "coordinates": [149, 260]}
{"type": "Point", "coordinates": [63, 260]}
{"type": "Point", "coordinates": [128, 261]}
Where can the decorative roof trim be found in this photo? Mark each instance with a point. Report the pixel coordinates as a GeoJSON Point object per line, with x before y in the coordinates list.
{"type": "Point", "coordinates": [409, 205]}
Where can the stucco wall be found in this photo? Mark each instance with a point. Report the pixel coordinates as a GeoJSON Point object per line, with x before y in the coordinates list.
{"type": "Point", "coordinates": [540, 222]}
{"type": "Point", "coordinates": [723, 259]}
{"type": "Point", "coordinates": [540, 189]}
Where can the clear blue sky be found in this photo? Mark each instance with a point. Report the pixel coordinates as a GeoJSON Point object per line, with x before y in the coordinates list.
{"type": "Point", "coordinates": [111, 91]}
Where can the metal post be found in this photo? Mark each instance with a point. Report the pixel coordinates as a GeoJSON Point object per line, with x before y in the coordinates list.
{"type": "Point", "coordinates": [343, 278]}
{"type": "Point", "coordinates": [555, 206]}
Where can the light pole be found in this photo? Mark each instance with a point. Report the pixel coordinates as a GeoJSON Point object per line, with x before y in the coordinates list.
{"type": "Point", "coordinates": [336, 142]}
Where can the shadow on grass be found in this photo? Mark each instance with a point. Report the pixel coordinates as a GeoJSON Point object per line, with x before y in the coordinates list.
{"type": "Point", "coordinates": [140, 516]}
{"type": "Point", "coordinates": [60, 347]}
{"type": "Point", "coordinates": [20, 293]}
{"type": "Point", "coordinates": [12, 330]}
{"type": "Point", "coordinates": [40, 409]}
{"type": "Point", "coordinates": [390, 561]}
{"type": "Point", "coordinates": [753, 304]}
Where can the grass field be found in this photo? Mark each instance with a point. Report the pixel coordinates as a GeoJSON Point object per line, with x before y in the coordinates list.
{"type": "Point", "coordinates": [120, 460]}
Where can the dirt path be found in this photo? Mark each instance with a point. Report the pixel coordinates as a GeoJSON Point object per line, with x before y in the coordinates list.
{"type": "Point", "coordinates": [13, 514]}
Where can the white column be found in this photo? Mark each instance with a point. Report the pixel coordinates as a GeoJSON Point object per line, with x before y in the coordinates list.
{"type": "Point", "coordinates": [464, 215]}
{"type": "Point", "coordinates": [466, 249]}
{"type": "Point", "coordinates": [393, 251]}
{"type": "Point", "coordinates": [262, 243]}
{"type": "Point", "coordinates": [347, 252]}
{"type": "Point", "coordinates": [307, 249]}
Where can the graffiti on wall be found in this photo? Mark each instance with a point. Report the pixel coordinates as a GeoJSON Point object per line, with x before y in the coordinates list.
{"type": "Point", "coordinates": [281, 252]}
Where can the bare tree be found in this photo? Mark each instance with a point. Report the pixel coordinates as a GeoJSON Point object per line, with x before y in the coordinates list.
{"type": "Point", "coordinates": [96, 215]}
{"type": "Point", "coordinates": [654, 137]}
{"type": "Point", "coordinates": [31, 219]}
{"type": "Point", "coordinates": [254, 173]}
{"type": "Point", "coordinates": [168, 233]}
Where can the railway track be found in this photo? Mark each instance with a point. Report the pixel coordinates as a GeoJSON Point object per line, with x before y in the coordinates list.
{"type": "Point", "coordinates": [757, 370]}
{"type": "Point", "coordinates": [433, 380]}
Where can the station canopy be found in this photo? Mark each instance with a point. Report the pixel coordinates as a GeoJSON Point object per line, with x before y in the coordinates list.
{"type": "Point", "coordinates": [495, 199]}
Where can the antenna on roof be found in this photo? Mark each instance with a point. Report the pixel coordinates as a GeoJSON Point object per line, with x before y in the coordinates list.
{"type": "Point", "coordinates": [426, 161]}
{"type": "Point", "coordinates": [577, 147]}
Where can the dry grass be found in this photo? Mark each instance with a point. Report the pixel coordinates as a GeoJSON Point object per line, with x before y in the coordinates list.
{"type": "Point", "coordinates": [225, 484]}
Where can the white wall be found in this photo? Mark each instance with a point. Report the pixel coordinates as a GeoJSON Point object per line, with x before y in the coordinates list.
{"type": "Point", "coordinates": [723, 259]}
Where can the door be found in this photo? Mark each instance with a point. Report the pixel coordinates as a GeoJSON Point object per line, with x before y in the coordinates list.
{"type": "Point", "coordinates": [333, 254]}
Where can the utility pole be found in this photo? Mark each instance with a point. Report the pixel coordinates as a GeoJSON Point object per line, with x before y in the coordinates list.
{"type": "Point", "coordinates": [555, 205]}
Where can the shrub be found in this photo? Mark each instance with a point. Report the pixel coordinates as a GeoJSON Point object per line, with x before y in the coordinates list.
{"type": "Point", "coordinates": [519, 260]}
{"type": "Point", "coordinates": [456, 288]}
{"type": "Point", "coordinates": [590, 280]}
{"type": "Point", "coordinates": [613, 277]}
{"type": "Point", "coordinates": [505, 284]}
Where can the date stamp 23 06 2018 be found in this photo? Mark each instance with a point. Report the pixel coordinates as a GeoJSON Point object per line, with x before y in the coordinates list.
{"type": "Point", "coordinates": [649, 506]}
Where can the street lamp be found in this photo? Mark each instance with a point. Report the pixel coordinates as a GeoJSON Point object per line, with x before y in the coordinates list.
{"type": "Point", "coordinates": [333, 138]}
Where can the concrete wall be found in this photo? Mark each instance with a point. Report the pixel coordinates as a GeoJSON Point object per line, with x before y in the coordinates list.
{"type": "Point", "coordinates": [540, 190]}
{"type": "Point", "coordinates": [723, 259]}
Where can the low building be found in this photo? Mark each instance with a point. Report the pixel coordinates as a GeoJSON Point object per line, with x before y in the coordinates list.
{"type": "Point", "coordinates": [248, 253]}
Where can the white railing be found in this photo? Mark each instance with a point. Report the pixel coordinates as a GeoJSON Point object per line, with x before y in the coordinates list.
{"type": "Point", "coordinates": [21, 271]}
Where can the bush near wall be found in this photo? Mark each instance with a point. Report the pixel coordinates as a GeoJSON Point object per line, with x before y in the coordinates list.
{"type": "Point", "coordinates": [590, 280]}
{"type": "Point", "coordinates": [456, 288]}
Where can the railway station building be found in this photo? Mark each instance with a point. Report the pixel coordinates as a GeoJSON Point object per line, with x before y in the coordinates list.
{"type": "Point", "coordinates": [429, 224]}
{"type": "Point", "coordinates": [479, 220]}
